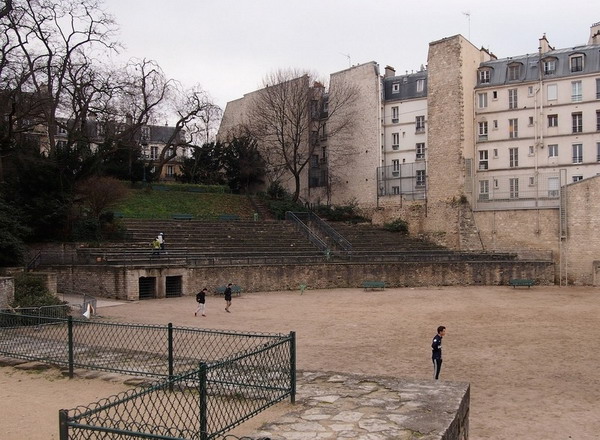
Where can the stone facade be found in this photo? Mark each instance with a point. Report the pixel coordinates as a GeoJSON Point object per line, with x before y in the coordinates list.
{"type": "Point", "coordinates": [124, 282]}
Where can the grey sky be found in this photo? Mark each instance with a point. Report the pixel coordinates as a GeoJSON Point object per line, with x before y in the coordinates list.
{"type": "Point", "coordinates": [228, 46]}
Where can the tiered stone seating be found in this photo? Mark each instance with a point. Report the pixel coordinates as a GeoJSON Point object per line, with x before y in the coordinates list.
{"type": "Point", "coordinates": [206, 242]}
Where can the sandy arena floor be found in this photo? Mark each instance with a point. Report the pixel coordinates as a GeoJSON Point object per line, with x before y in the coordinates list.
{"type": "Point", "coordinates": [530, 355]}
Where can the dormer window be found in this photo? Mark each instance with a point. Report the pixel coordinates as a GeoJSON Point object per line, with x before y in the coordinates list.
{"type": "Point", "coordinates": [396, 88]}
{"type": "Point", "coordinates": [485, 76]}
{"type": "Point", "coordinates": [514, 71]}
{"type": "Point", "coordinates": [420, 85]}
{"type": "Point", "coordinates": [576, 63]}
{"type": "Point", "coordinates": [549, 66]}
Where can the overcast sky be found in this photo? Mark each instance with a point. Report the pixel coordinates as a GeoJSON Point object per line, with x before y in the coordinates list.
{"type": "Point", "coordinates": [228, 46]}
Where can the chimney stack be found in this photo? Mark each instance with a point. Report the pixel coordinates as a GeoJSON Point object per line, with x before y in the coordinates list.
{"type": "Point", "coordinates": [595, 33]}
{"type": "Point", "coordinates": [389, 72]}
{"type": "Point", "coordinates": [544, 45]}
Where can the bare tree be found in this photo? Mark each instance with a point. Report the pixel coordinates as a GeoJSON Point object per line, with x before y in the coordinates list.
{"type": "Point", "coordinates": [288, 117]}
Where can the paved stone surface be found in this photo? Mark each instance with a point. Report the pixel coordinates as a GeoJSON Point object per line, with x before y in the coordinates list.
{"type": "Point", "coordinates": [334, 406]}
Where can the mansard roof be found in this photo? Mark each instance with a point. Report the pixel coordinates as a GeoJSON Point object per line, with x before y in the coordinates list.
{"type": "Point", "coordinates": [530, 65]}
{"type": "Point", "coordinates": [406, 86]}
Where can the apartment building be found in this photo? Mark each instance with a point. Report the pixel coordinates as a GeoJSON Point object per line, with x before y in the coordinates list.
{"type": "Point", "coordinates": [404, 147]}
{"type": "Point", "coordinates": [538, 125]}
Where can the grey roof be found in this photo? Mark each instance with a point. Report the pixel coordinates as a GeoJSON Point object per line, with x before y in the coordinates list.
{"type": "Point", "coordinates": [530, 65]}
{"type": "Point", "coordinates": [407, 86]}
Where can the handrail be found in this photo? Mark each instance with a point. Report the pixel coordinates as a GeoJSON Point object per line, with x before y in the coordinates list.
{"type": "Point", "coordinates": [326, 229]}
{"type": "Point", "coordinates": [312, 237]}
{"type": "Point", "coordinates": [35, 261]}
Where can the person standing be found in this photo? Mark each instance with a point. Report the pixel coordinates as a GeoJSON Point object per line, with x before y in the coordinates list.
{"type": "Point", "coordinates": [161, 241]}
{"type": "Point", "coordinates": [201, 300]}
{"type": "Point", "coordinates": [228, 297]}
{"type": "Point", "coordinates": [436, 351]}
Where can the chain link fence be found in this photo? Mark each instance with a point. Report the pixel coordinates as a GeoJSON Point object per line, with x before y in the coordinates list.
{"type": "Point", "coordinates": [211, 380]}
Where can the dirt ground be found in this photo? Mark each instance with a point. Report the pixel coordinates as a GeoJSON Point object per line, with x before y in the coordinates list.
{"type": "Point", "coordinates": [530, 355]}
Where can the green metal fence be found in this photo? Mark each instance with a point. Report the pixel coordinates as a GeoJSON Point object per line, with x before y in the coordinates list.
{"type": "Point", "coordinates": [212, 380]}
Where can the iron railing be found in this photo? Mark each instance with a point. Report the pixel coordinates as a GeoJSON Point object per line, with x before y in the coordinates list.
{"type": "Point", "coordinates": [312, 219]}
{"type": "Point", "coordinates": [306, 231]}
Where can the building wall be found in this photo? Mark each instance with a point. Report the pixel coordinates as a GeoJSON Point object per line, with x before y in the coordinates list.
{"type": "Point", "coordinates": [355, 155]}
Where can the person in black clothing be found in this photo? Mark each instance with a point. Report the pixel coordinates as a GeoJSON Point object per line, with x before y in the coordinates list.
{"type": "Point", "coordinates": [228, 297]}
{"type": "Point", "coordinates": [436, 351]}
{"type": "Point", "coordinates": [201, 300]}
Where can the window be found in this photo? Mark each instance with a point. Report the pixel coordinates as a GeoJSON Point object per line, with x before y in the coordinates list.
{"type": "Point", "coordinates": [494, 95]}
{"type": "Point", "coordinates": [597, 151]}
{"type": "Point", "coordinates": [514, 72]}
{"type": "Point", "coordinates": [531, 151]}
{"type": "Point", "coordinates": [61, 145]}
{"type": "Point", "coordinates": [576, 92]}
{"type": "Point", "coordinates": [552, 120]}
{"type": "Point", "coordinates": [395, 190]}
{"type": "Point", "coordinates": [531, 181]}
{"type": "Point", "coordinates": [483, 131]}
{"type": "Point", "coordinates": [484, 190]}
{"type": "Point", "coordinates": [552, 92]}
{"type": "Point", "coordinates": [101, 129]}
{"type": "Point", "coordinates": [531, 121]}
{"type": "Point", "coordinates": [484, 76]}
{"type": "Point", "coordinates": [394, 114]}
{"type": "Point", "coordinates": [153, 153]}
{"type": "Point", "coordinates": [495, 153]}
{"type": "Point", "coordinates": [496, 183]}
{"type": "Point", "coordinates": [483, 159]}
{"type": "Point", "coordinates": [495, 124]}
{"type": "Point", "coordinates": [395, 141]}
{"type": "Point", "coordinates": [577, 119]}
{"type": "Point", "coordinates": [314, 161]}
{"type": "Point", "coordinates": [482, 100]}
{"type": "Point", "coordinates": [145, 133]}
{"type": "Point", "coordinates": [530, 91]}
{"type": "Point", "coordinates": [62, 130]}
{"type": "Point", "coordinates": [420, 177]}
{"type": "Point", "coordinates": [396, 166]}
{"type": "Point", "coordinates": [513, 157]}
{"type": "Point", "coordinates": [420, 124]}
{"type": "Point", "coordinates": [513, 128]}
{"type": "Point", "coordinates": [597, 120]}
{"type": "Point", "coordinates": [577, 153]}
{"type": "Point", "coordinates": [420, 85]}
{"type": "Point", "coordinates": [576, 63]}
{"type": "Point", "coordinates": [577, 178]}
{"type": "Point", "coordinates": [514, 188]}
{"type": "Point", "coordinates": [396, 88]}
{"type": "Point", "coordinates": [553, 150]}
{"type": "Point", "coordinates": [549, 67]}
{"type": "Point", "coordinates": [597, 88]}
{"type": "Point", "coordinates": [170, 172]}
{"type": "Point", "coordinates": [512, 98]}
{"type": "Point", "coordinates": [553, 187]}
{"type": "Point", "coordinates": [420, 149]}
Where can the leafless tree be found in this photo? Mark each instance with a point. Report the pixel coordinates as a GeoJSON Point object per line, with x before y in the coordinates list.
{"type": "Point", "coordinates": [289, 115]}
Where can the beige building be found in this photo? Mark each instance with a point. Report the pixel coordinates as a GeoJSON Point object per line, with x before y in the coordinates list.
{"type": "Point", "coordinates": [477, 152]}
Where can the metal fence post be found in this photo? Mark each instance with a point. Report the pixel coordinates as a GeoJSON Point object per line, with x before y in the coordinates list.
{"type": "Point", "coordinates": [202, 385]}
{"type": "Point", "coordinates": [63, 427]}
{"type": "Point", "coordinates": [70, 345]}
{"type": "Point", "coordinates": [170, 353]}
{"type": "Point", "coordinates": [293, 367]}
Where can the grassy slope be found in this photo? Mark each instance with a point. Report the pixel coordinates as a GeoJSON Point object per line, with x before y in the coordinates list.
{"type": "Point", "coordinates": [161, 204]}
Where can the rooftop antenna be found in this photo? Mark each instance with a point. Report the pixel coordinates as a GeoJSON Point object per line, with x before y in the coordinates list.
{"type": "Point", "coordinates": [468, 15]}
{"type": "Point", "coordinates": [347, 55]}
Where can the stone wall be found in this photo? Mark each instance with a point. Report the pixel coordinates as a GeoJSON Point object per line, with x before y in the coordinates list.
{"type": "Point", "coordinates": [7, 291]}
{"type": "Point", "coordinates": [123, 282]}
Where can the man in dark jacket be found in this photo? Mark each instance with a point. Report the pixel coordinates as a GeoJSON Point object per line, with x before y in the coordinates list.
{"type": "Point", "coordinates": [436, 351]}
{"type": "Point", "coordinates": [228, 297]}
